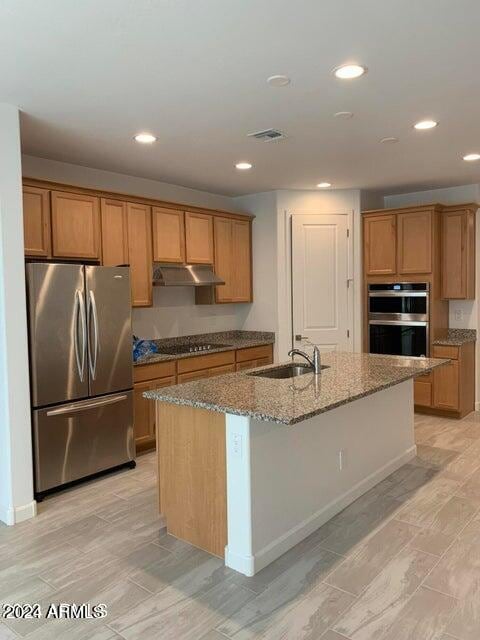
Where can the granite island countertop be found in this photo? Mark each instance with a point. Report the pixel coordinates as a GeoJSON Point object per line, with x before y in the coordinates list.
{"type": "Point", "coordinates": [457, 337]}
{"type": "Point", "coordinates": [349, 377]}
{"type": "Point", "coordinates": [227, 341]}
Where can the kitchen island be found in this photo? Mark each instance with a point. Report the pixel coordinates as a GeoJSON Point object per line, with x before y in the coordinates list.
{"type": "Point", "coordinates": [250, 465]}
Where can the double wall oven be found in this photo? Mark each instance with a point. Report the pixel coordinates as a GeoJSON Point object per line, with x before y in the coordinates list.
{"type": "Point", "coordinates": [398, 318]}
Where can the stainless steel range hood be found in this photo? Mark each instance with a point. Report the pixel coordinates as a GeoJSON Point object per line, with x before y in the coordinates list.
{"type": "Point", "coordinates": [184, 275]}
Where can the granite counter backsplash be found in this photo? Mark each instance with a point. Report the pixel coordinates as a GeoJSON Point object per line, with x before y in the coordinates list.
{"type": "Point", "coordinates": [227, 341]}
{"type": "Point", "coordinates": [349, 376]}
{"type": "Point", "coordinates": [457, 337]}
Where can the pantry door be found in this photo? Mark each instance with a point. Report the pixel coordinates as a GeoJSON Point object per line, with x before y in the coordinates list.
{"type": "Point", "coordinates": [320, 282]}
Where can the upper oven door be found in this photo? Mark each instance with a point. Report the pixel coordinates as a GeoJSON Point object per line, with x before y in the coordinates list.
{"type": "Point", "coordinates": [411, 302]}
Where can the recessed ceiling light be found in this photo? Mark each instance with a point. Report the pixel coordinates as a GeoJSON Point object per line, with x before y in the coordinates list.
{"type": "Point", "coordinates": [472, 157]}
{"type": "Point", "coordinates": [243, 165]}
{"type": "Point", "coordinates": [145, 138]}
{"type": "Point", "coordinates": [324, 185]}
{"type": "Point", "coordinates": [425, 124]}
{"type": "Point", "coordinates": [278, 81]}
{"type": "Point", "coordinates": [349, 71]}
{"type": "Point", "coordinates": [343, 115]}
{"type": "Point", "coordinates": [389, 140]}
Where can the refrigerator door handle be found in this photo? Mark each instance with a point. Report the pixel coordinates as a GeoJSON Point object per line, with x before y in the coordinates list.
{"type": "Point", "coordinates": [77, 407]}
{"type": "Point", "coordinates": [93, 319]}
{"type": "Point", "coordinates": [83, 320]}
{"type": "Point", "coordinates": [78, 313]}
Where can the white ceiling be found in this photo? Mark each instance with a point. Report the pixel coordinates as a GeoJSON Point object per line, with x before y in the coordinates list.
{"type": "Point", "coordinates": [90, 74]}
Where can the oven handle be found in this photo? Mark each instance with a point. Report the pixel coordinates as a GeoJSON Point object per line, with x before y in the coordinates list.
{"type": "Point", "coordinates": [397, 294]}
{"type": "Point", "coordinates": [403, 323]}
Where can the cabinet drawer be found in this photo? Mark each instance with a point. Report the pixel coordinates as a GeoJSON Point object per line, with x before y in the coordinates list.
{"type": "Point", "coordinates": [206, 362]}
{"type": "Point", "coordinates": [220, 371]}
{"type": "Point", "coordinates": [253, 353]}
{"type": "Point", "coordinates": [440, 351]}
{"type": "Point", "coordinates": [422, 393]}
{"type": "Point", "coordinates": [144, 372]}
{"type": "Point", "coordinates": [427, 377]}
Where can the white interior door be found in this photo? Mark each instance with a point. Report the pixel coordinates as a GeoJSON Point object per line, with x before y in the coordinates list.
{"type": "Point", "coordinates": [320, 285]}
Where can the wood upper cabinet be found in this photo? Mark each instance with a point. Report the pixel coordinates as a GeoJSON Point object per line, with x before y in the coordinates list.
{"type": "Point", "coordinates": [380, 250]}
{"type": "Point", "coordinates": [75, 226]}
{"type": "Point", "coordinates": [198, 238]}
{"type": "Point", "coordinates": [139, 219]}
{"type": "Point", "coordinates": [458, 253]}
{"type": "Point", "coordinates": [168, 235]}
{"type": "Point", "coordinates": [233, 260]}
{"type": "Point", "coordinates": [414, 242]}
{"type": "Point", "coordinates": [114, 232]}
{"type": "Point", "coordinates": [36, 222]}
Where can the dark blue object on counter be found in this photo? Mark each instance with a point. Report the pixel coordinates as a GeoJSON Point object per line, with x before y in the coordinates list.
{"type": "Point", "coordinates": [143, 348]}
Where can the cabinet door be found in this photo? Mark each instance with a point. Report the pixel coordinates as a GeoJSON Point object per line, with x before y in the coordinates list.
{"type": "Point", "coordinates": [242, 259]}
{"type": "Point", "coordinates": [446, 386]}
{"type": "Point", "coordinates": [422, 393]}
{"type": "Point", "coordinates": [168, 235]}
{"type": "Point", "coordinates": [458, 255]}
{"type": "Point", "coordinates": [224, 265]}
{"type": "Point", "coordinates": [36, 222]}
{"type": "Point", "coordinates": [114, 232]}
{"type": "Point", "coordinates": [139, 218]}
{"type": "Point", "coordinates": [415, 242]}
{"type": "Point", "coordinates": [199, 238]}
{"type": "Point", "coordinates": [75, 226]}
{"type": "Point", "coordinates": [380, 245]}
{"type": "Point", "coordinates": [144, 412]}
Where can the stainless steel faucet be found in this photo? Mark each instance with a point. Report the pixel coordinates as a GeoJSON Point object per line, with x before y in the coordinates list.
{"type": "Point", "coordinates": [316, 363]}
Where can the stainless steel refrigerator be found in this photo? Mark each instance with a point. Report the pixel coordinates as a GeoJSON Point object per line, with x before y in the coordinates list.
{"type": "Point", "coordinates": [81, 371]}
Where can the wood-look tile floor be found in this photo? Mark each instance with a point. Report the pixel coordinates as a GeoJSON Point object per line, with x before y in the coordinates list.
{"type": "Point", "coordinates": [401, 563]}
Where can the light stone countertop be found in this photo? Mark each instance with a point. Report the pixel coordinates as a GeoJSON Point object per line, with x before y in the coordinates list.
{"type": "Point", "coordinates": [457, 337]}
{"type": "Point", "coordinates": [349, 376]}
{"type": "Point", "coordinates": [228, 341]}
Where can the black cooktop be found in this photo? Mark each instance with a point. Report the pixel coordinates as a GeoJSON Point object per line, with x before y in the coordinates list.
{"type": "Point", "coordinates": [199, 347]}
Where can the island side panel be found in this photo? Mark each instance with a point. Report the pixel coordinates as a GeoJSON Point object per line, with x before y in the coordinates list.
{"type": "Point", "coordinates": [192, 475]}
{"type": "Point", "coordinates": [289, 478]}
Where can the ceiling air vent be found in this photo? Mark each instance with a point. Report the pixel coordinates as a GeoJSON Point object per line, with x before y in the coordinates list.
{"type": "Point", "coordinates": [269, 135]}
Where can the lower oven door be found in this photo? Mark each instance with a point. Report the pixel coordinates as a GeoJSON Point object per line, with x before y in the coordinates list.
{"type": "Point", "coordinates": [398, 339]}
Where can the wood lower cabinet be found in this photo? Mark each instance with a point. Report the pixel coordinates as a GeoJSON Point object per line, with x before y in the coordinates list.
{"type": "Point", "coordinates": [114, 232]}
{"type": "Point", "coordinates": [75, 226]}
{"type": "Point", "coordinates": [205, 373]}
{"type": "Point", "coordinates": [458, 253]}
{"type": "Point", "coordinates": [449, 389]}
{"type": "Point", "coordinates": [199, 238]}
{"type": "Point", "coordinates": [414, 242]}
{"type": "Point", "coordinates": [253, 364]}
{"type": "Point", "coordinates": [36, 222]}
{"type": "Point", "coordinates": [380, 244]}
{"type": "Point", "coordinates": [144, 413]}
{"type": "Point", "coordinates": [139, 218]}
{"type": "Point", "coordinates": [168, 235]}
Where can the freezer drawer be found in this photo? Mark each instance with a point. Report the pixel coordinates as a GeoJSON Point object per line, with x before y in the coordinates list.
{"type": "Point", "coordinates": [75, 440]}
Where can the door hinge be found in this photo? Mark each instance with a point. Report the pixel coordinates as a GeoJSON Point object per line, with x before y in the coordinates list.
{"type": "Point", "coordinates": [348, 233]}
{"type": "Point", "coordinates": [348, 333]}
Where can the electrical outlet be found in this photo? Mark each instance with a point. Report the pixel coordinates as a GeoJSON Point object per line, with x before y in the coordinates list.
{"type": "Point", "coordinates": [341, 459]}
{"type": "Point", "coordinates": [237, 445]}
{"type": "Point", "coordinates": [458, 315]}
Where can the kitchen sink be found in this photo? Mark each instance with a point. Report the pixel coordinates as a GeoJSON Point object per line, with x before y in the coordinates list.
{"type": "Point", "coordinates": [286, 371]}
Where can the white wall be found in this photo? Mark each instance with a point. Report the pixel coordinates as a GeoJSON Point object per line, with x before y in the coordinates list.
{"type": "Point", "coordinates": [16, 481]}
{"type": "Point", "coordinates": [174, 311]}
{"type": "Point", "coordinates": [262, 314]}
{"type": "Point", "coordinates": [463, 314]}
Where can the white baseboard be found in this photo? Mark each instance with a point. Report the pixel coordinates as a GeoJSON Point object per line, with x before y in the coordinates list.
{"type": "Point", "coordinates": [477, 406]}
{"type": "Point", "coordinates": [13, 515]}
{"type": "Point", "coordinates": [281, 545]}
